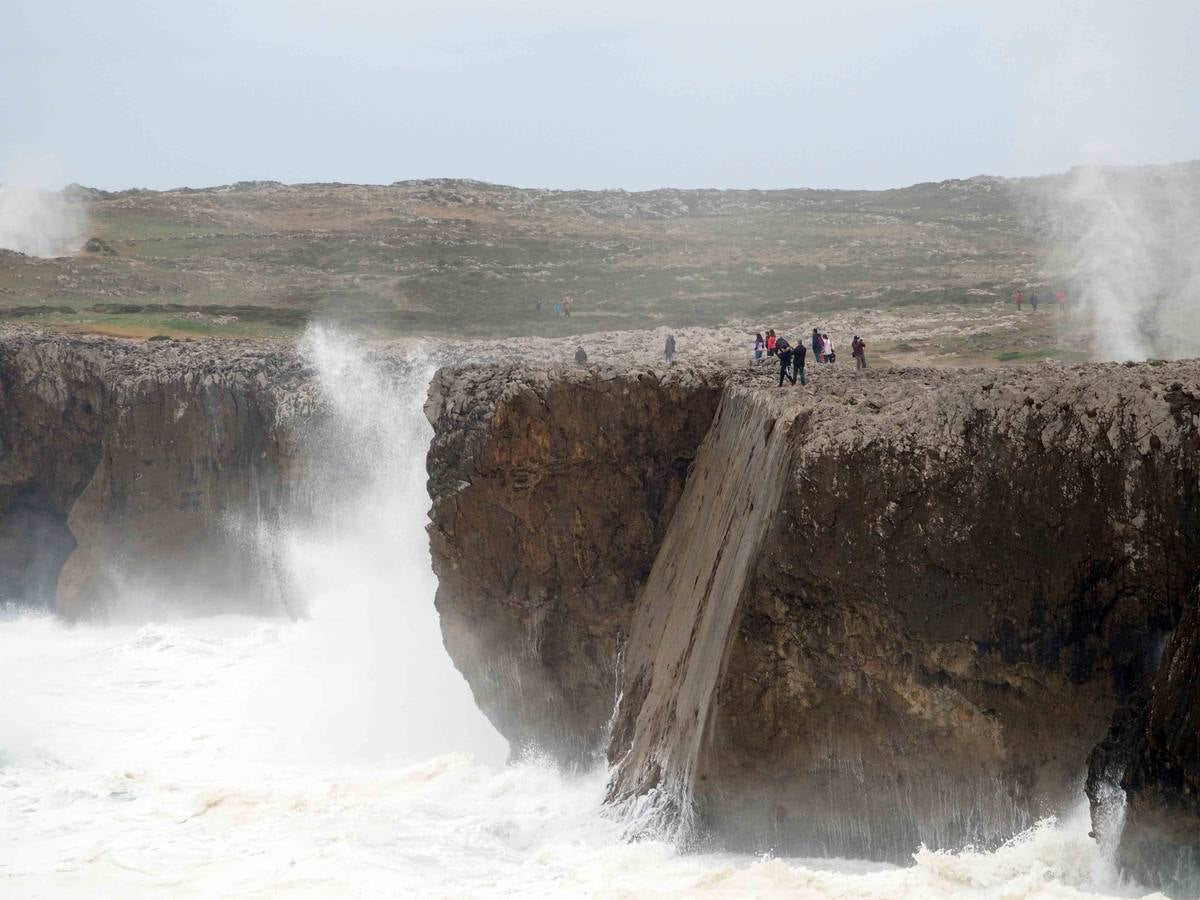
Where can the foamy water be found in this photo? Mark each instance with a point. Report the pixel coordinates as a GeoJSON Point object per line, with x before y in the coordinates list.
{"type": "Point", "coordinates": [341, 755]}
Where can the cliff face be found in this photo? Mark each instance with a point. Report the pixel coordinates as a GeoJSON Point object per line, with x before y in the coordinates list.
{"type": "Point", "coordinates": [683, 624]}
{"type": "Point", "coordinates": [1151, 755]}
{"type": "Point", "coordinates": [968, 574]}
{"type": "Point", "coordinates": [141, 469]}
{"type": "Point", "coordinates": [551, 493]}
{"type": "Point", "coordinates": [894, 608]}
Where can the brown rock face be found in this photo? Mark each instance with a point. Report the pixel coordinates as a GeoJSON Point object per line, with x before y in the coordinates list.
{"type": "Point", "coordinates": [1153, 752]}
{"type": "Point", "coordinates": [139, 470]}
{"type": "Point", "coordinates": [898, 607]}
{"type": "Point", "coordinates": [967, 573]}
{"type": "Point", "coordinates": [551, 494]}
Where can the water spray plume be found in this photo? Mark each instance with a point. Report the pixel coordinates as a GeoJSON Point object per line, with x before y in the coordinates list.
{"type": "Point", "coordinates": [1131, 237]}
{"type": "Point", "coordinates": [34, 220]}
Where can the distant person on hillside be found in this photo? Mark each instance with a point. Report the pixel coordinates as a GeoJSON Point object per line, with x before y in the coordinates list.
{"type": "Point", "coordinates": [669, 351]}
{"type": "Point", "coordinates": [785, 353]}
{"type": "Point", "coordinates": [558, 309]}
{"type": "Point", "coordinates": [816, 345]}
{"type": "Point", "coordinates": [858, 349]}
{"type": "Point", "coordinates": [1061, 297]}
{"type": "Point", "coordinates": [1019, 298]}
{"type": "Point", "coordinates": [759, 346]}
{"type": "Point", "coordinates": [566, 306]}
{"type": "Point", "coordinates": [580, 357]}
{"type": "Point", "coordinates": [1033, 300]}
{"type": "Point", "coordinates": [828, 354]}
{"type": "Point", "coordinates": [771, 341]}
{"type": "Point", "coordinates": [538, 306]}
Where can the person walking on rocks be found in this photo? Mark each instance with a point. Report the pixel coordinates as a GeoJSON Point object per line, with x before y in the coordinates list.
{"type": "Point", "coordinates": [580, 356]}
{"type": "Point", "coordinates": [771, 342]}
{"type": "Point", "coordinates": [759, 346]}
{"type": "Point", "coordinates": [798, 363]}
{"type": "Point", "coordinates": [1019, 298]}
{"type": "Point", "coordinates": [828, 354]}
{"type": "Point", "coordinates": [1033, 300]}
{"type": "Point", "coordinates": [669, 351]}
{"type": "Point", "coordinates": [858, 349]}
{"type": "Point", "coordinates": [785, 353]}
{"type": "Point", "coordinates": [566, 306]}
{"type": "Point", "coordinates": [816, 345]}
{"type": "Point", "coordinates": [1061, 297]}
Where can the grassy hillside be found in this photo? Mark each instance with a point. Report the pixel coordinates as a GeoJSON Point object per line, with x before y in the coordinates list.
{"type": "Point", "coordinates": [469, 258]}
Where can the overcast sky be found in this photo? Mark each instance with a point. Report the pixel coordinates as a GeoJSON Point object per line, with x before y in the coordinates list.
{"type": "Point", "coordinates": [638, 94]}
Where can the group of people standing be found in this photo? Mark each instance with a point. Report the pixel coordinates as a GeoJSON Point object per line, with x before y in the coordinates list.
{"type": "Point", "coordinates": [792, 359]}
{"type": "Point", "coordinates": [1019, 298]}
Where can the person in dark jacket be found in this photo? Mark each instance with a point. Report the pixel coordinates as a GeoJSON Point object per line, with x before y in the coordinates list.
{"type": "Point", "coordinates": [816, 345]}
{"type": "Point", "coordinates": [580, 357]}
{"type": "Point", "coordinates": [669, 351]}
{"type": "Point", "coordinates": [798, 364]}
{"type": "Point", "coordinates": [785, 352]}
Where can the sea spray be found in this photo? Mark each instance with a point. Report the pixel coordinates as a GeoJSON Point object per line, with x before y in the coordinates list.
{"type": "Point", "coordinates": [34, 220]}
{"type": "Point", "coordinates": [1129, 238]}
{"type": "Point", "coordinates": [355, 561]}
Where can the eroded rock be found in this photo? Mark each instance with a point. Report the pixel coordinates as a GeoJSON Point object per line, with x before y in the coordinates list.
{"type": "Point", "coordinates": [551, 492]}
{"type": "Point", "coordinates": [933, 616]}
{"type": "Point", "coordinates": [139, 469]}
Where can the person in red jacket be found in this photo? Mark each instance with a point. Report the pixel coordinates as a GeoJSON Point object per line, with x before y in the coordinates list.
{"type": "Point", "coordinates": [1061, 297]}
{"type": "Point", "coordinates": [1019, 298]}
{"type": "Point", "coordinates": [771, 342]}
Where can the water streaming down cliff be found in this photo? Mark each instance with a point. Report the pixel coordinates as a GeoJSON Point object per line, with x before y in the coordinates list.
{"type": "Point", "coordinates": [680, 635]}
{"type": "Point", "coordinates": [254, 755]}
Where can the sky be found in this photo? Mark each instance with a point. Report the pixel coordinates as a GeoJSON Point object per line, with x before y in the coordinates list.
{"type": "Point", "coordinates": [624, 94]}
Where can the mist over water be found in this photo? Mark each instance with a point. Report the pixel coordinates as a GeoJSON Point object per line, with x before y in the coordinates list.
{"type": "Point", "coordinates": [340, 754]}
{"type": "Point", "coordinates": [358, 567]}
{"type": "Point", "coordinates": [1130, 239]}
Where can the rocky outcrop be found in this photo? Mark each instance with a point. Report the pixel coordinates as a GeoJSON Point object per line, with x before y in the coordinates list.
{"type": "Point", "coordinates": [895, 608]}
{"type": "Point", "coordinates": [551, 493]}
{"type": "Point", "coordinates": [1152, 753]}
{"type": "Point", "coordinates": [142, 469]}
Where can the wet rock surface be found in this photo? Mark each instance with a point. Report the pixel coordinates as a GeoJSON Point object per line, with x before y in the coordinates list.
{"type": "Point", "coordinates": [137, 467]}
{"type": "Point", "coordinates": [964, 576]}
{"type": "Point", "coordinates": [551, 492]}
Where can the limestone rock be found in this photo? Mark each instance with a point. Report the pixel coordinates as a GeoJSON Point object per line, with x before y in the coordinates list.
{"type": "Point", "coordinates": [896, 607]}
{"type": "Point", "coordinates": [551, 491]}
{"type": "Point", "coordinates": [132, 467]}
